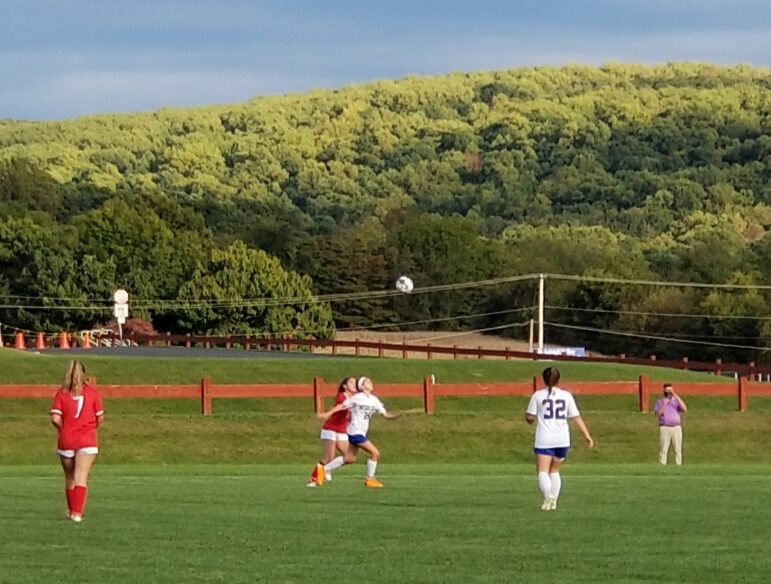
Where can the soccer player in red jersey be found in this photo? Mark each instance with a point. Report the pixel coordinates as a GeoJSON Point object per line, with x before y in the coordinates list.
{"type": "Point", "coordinates": [334, 433]}
{"type": "Point", "coordinates": [76, 413]}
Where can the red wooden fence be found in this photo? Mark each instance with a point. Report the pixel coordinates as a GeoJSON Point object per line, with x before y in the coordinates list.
{"type": "Point", "coordinates": [205, 391]}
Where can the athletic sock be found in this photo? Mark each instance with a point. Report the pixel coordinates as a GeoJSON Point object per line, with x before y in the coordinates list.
{"type": "Point", "coordinates": [371, 468]}
{"type": "Point", "coordinates": [69, 493]}
{"type": "Point", "coordinates": [556, 484]}
{"type": "Point", "coordinates": [335, 463]}
{"type": "Point", "coordinates": [544, 483]}
{"type": "Point", "coordinates": [79, 499]}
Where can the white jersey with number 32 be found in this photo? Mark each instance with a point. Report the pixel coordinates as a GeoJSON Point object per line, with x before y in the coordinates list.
{"type": "Point", "coordinates": [552, 412]}
{"type": "Point", "coordinates": [362, 407]}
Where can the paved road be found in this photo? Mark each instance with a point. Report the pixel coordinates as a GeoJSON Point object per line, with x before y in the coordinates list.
{"type": "Point", "coordinates": [196, 353]}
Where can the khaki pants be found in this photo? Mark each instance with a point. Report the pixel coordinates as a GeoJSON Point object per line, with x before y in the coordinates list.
{"type": "Point", "coordinates": [673, 434]}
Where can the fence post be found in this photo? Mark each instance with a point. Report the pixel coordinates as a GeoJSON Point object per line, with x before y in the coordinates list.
{"type": "Point", "coordinates": [428, 396]}
{"type": "Point", "coordinates": [742, 394]}
{"type": "Point", "coordinates": [751, 372]}
{"type": "Point", "coordinates": [535, 384]}
{"type": "Point", "coordinates": [508, 349]}
{"type": "Point", "coordinates": [206, 396]}
{"type": "Point", "coordinates": [718, 363]}
{"type": "Point", "coordinates": [380, 348]}
{"type": "Point", "coordinates": [357, 349]}
{"type": "Point", "coordinates": [685, 363]}
{"type": "Point", "coordinates": [404, 349]}
{"type": "Point", "coordinates": [318, 397]}
{"type": "Point", "coordinates": [428, 354]}
{"type": "Point", "coordinates": [479, 352]}
{"type": "Point", "coordinates": [643, 393]}
{"type": "Point", "coordinates": [455, 351]}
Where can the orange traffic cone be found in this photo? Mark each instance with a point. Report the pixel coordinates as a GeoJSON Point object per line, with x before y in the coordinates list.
{"type": "Point", "coordinates": [86, 341]}
{"type": "Point", "coordinates": [64, 340]}
{"type": "Point", "coordinates": [40, 342]}
{"type": "Point", "coordinates": [19, 342]}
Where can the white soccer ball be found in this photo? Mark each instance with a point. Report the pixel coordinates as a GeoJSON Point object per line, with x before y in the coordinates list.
{"type": "Point", "coordinates": [405, 284]}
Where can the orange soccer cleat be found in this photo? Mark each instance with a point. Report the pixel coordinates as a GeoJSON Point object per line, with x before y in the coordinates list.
{"type": "Point", "coordinates": [320, 474]}
{"type": "Point", "coordinates": [373, 483]}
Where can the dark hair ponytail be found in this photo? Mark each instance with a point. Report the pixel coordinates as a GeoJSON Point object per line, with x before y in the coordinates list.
{"type": "Point", "coordinates": [341, 388]}
{"type": "Point", "coordinates": [551, 377]}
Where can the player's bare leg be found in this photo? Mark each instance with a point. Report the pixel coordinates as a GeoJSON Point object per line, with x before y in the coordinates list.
{"type": "Point", "coordinates": [68, 465]}
{"type": "Point", "coordinates": [348, 456]}
{"type": "Point", "coordinates": [374, 457]}
{"type": "Point", "coordinates": [83, 464]}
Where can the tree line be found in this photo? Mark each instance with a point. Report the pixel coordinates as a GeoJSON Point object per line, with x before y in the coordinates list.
{"type": "Point", "coordinates": [658, 173]}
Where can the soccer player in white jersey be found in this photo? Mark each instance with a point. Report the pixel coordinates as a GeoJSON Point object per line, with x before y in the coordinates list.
{"type": "Point", "coordinates": [552, 407]}
{"type": "Point", "coordinates": [362, 405]}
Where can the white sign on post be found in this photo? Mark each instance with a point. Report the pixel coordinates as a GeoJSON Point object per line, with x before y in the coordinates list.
{"type": "Point", "coordinates": [120, 309]}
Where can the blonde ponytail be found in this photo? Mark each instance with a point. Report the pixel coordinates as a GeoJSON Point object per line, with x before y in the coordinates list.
{"type": "Point", "coordinates": [74, 377]}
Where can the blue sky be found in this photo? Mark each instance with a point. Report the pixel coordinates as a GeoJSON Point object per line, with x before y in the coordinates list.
{"type": "Point", "coordinates": [64, 58]}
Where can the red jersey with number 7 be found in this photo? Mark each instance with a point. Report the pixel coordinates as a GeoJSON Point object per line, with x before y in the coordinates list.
{"type": "Point", "coordinates": [80, 417]}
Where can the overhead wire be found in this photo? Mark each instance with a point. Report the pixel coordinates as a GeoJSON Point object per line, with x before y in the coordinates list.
{"type": "Point", "coordinates": [655, 337]}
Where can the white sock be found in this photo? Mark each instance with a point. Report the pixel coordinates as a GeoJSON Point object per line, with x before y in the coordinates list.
{"type": "Point", "coordinates": [556, 484]}
{"type": "Point", "coordinates": [544, 483]}
{"type": "Point", "coordinates": [335, 463]}
{"type": "Point", "coordinates": [371, 468]}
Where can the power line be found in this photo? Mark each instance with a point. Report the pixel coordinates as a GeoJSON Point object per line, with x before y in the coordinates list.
{"type": "Point", "coordinates": [170, 304]}
{"type": "Point", "coordinates": [655, 337]}
{"type": "Point", "coordinates": [667, 314]}
{"type": "Point", "coordinates": [481, 330]}
{"type": "Point", "coordinates": [670, 284]}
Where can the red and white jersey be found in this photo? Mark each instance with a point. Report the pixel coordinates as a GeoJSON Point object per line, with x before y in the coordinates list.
{"type": "Point", "coordinates": [338, 422]}
{"type": "Point", "coordinates": [80, 414]}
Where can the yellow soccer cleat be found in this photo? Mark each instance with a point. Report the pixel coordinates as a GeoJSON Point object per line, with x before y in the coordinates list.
{"type": "Point", "coordinates": [373, 483]}
{"type": "Point", "coordinates": [319, 474]}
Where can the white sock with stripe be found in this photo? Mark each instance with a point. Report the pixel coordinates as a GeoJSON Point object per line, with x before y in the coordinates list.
{"type": "Point", "coordinates": [556, 484]}
{"type": "Point", "coordinates": [544, 483]}
{"type": "Point", "coordinates": [371, 468]}
{"type": "Point", "coordinates": [334, 463]}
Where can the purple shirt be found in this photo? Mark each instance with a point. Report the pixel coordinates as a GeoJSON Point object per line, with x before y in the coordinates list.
{"type": "Point", "coordinates": [671, 414]}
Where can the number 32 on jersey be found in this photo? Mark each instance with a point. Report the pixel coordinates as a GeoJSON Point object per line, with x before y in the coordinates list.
{"type": "Point", "coordinates": [554, 409]}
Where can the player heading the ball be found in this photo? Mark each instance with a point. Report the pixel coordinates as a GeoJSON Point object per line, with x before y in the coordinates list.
{"type": "Point", "coordinates": [363, 405]}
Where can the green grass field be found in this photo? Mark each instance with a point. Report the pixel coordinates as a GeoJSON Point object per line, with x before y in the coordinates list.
{"type": "Point", "coordinates": [30, 367]}
{"type": "Point", "coordinates": [431, 523]}
{"type": "Point", "coordinates": [176, 497]}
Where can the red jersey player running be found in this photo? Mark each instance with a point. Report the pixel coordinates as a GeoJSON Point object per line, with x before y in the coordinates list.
{"type": "Point", "coordinates": [334, 435]}
{"type": "Point", "coordinates": [76, 413]}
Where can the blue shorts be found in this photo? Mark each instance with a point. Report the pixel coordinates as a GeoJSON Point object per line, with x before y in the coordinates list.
{"type": "Point", "coordinates": [561, 453]}
{"type": "Point", "coordinates": [357, 439]}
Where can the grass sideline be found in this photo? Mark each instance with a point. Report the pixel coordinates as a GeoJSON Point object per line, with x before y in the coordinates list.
{"type": "Point", "coordinates": [464, 430]}
{"type": "Point", "coordinates": [430, 524]}
{"type": "Point", "coordinates": [30, 367]}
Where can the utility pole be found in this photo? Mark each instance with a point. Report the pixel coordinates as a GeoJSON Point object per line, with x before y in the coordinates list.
{"type": "Point", "coordinates": [540, 312]}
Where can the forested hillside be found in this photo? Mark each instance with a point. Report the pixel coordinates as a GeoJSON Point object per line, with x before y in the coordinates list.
{"type": "Point", "coordinates": [656, 173]}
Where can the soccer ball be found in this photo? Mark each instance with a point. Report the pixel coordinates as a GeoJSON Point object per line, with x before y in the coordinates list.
{"type": "Point", "coordinates": [405, 284]}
